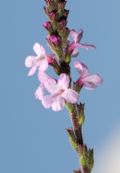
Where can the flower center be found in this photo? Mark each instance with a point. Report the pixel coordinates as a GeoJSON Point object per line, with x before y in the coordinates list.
{"type": "Point", "coordinates": [58, 93]}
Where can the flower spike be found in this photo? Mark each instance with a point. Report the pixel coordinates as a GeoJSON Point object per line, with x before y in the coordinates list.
{"type": "Point", "coordinates": [60, 92]}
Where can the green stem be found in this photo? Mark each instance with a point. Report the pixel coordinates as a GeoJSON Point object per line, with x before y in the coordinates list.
{"type": "Point", "coordinates": [76, 112]}
{"type": "Point", "coordinates": [85, 154]}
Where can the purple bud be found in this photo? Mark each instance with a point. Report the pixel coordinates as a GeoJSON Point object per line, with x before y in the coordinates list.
{"type": "Point", "coordinates": [48, 1]}
{"type": "Point", "coordinates": [53, 39]}
{"type": "Point", "coordinates": [62, 4]}
{"type": "Point", "coordinates": [52, 14]}
{"type": "Point", "coordinates": [66, 12]}
{"type": "Point", "coordinates": [47, 25]}
{"type": "Point", "coordinates": [62, 23]}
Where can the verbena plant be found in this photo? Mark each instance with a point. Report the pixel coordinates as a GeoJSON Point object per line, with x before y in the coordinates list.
{"type": "Point", "coordinates": [64, 91]}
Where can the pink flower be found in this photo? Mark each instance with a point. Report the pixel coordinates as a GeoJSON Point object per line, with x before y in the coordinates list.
{"type": "Point", "coordinates": [59, 91]}
{"type": "Point", "coordinates": [37, 62]}
{"type": "Point", "coordinates": [77, 36]}
{"type": "Point", "coordinates": [42, 77]}
{"type": "Point", "coordinates": [86, 79]}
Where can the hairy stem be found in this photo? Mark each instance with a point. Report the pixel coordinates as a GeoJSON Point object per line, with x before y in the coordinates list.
{"type": "Point", "coordinates": [75, 134]}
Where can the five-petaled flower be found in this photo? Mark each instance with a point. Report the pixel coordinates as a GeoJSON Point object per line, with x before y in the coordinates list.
{"type": "Point", "coordinates": [86, 79]}
{"type": "Point", "coordinates": [59, 92]}
{"type": "Point", "coordinates": [37, 62]}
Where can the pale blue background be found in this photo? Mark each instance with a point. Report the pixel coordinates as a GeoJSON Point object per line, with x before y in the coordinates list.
{"type": "Point", "coordinates": [32, 139]}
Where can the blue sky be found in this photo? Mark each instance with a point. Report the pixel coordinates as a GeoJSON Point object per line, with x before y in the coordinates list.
{"type": "Point", "coordinates": [108, 155]}
{"type": "Point", "coordinates": [34, 139]}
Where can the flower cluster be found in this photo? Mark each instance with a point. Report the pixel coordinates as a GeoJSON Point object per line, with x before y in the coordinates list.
{"type": "Point", "coordinates": [64, 44]}
{"type": "Point", "coordinates": [60, 90]}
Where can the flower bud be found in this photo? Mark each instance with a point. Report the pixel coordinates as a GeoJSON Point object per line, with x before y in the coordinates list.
{"type": "Point", "coordinates": [55, 40]}
{"type": "Point", "coordinates": [48, 1]}
{"type": "Point", "coordinates": [47, 25]}
{"type": "Point", "coordinates": [66, 12]}
{"type": "Point", "coordinates": [52, 15]}
{"type": "Point", "coordinates": [62, 23]}
{"type": "Point", "coordinates": [61, 5]}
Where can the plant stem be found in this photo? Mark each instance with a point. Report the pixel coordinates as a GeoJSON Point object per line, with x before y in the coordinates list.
{"type": "Point", "coordinates": [59, 44]}
{"type": "Point", "coordinates": [85, 154]}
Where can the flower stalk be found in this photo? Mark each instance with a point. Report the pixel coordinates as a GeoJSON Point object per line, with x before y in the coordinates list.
{"type": "Point", "coordinates": [64, 91]}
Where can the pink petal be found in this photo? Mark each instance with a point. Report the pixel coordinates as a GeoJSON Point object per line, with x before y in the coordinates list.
{"type": "Point", "coordinates": [63, 81]}
{"type": "Point", "coordinates": [76, 35]}
{"type": "Point", "coordinates": [70, 96]}
{"type": "Point", "coordinates": [75, 53]}
{"type": "Point", "coordinates": [58, 104]}
{"type": "Point", "coordinates": [42, 76]}
{"type": "Point", "coordinates": [29, 61]}
{"type": "Point", "coordinates": [43, 64]}
{"type": "Point", "coordinates": [50, 59]}
{"type": "Point", "coordinates": [47, 101]}
{"type": "Point", "coordinates": [32, 71]}
{"type": "Point", "coordinates": [39, 50]}
{"type": "Point", "coordinates": [39, 92]}
{"type": "Point", "coordinates": [73, 46]}
{"type": "Point", "coordinates": [50, 85]}
{"type": "Point", "coordinates": [86, 46]}
{"type": "Point", "coordinates": [92, 81]}
{"type": "Point", "coordinates": [81, 68]}
{"type": "Point", "coordinates": [73, 49]}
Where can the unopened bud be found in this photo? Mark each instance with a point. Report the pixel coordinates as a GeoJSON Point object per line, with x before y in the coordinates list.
{"type": "Point", "coordinates": [47, 25]}
{"type": "Point", "coordinates": [52, 15]}
{"type": "Point", "coordinates": [55, 40]}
